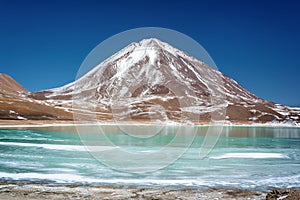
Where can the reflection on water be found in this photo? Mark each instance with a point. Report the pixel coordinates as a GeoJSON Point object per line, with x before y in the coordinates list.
{"type": "Point", "coordinates": [272, 132]}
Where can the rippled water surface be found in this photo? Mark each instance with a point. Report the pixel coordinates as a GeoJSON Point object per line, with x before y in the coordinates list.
{"type": "Point", "coordinates": [244, 157]}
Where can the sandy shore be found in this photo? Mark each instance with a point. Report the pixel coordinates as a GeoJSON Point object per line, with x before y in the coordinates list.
{"type": "Point", "coordinates": [22, 191]}
{"type": "Point", "coordinates": [9, 191]}
{"type": "Point", "coordinates": [5, 123]}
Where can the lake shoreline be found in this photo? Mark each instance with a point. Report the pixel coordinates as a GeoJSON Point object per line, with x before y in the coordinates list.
{"type": "Point", "coordinates": [35, 191]}
{"type": "Point", "coordinates": [19, 124]}
{"type": "Point", "coordinates": [32, 191]}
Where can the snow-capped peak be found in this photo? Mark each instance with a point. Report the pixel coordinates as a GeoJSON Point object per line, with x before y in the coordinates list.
{"type": "Point", "coordinates": [151, 42]}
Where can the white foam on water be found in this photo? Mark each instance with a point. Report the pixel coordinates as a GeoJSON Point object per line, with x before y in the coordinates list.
{"type": "Point", "coordinates": [24, 165]}
{"type": "Point", "coordinates": [253, 155]}
{"type": "Point", "coordinates": [73, 178]}
{"type": "Point", "coordinates": [59, 178]}
{"type": "Point", "coordinates": [287, 182]}
{"type": "Point", "coordinates": [60, 147]}
{"type": "Point", "coordinates": [292, 181]}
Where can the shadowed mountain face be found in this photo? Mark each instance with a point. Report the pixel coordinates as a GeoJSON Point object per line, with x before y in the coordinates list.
{"type": "Point", "coordinates": [151, 80]}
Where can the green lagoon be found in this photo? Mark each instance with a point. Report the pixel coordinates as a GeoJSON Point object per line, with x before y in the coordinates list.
{"type": "Point", "coordinates": [243, 158]}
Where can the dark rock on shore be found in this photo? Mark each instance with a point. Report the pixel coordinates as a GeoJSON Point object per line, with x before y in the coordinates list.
{"type": "Point", "coordinates": [283, 194]}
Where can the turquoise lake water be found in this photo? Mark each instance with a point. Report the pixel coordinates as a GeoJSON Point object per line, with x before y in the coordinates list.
{"type": "Point", "coordinates": [244, 158]}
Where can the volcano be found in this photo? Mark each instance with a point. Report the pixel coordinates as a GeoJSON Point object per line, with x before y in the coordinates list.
{"type": "Point", "coordinates": [152, 80]}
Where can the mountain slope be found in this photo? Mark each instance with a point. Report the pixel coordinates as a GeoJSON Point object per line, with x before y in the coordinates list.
{"type": "Point", "coordinates": [8, 86]}
{"type": "Point", "coordinates": [151, 80]}
{"type": "Point", "coordinates": [15, 103]}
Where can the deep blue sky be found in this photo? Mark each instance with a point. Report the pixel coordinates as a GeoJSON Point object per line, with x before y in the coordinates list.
{"type": "Point", "coordinates": [43, 43]}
